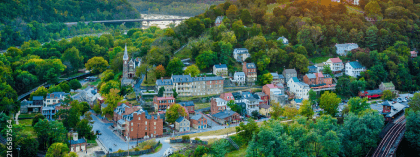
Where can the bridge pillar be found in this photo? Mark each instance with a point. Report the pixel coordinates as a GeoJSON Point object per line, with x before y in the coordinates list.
{"type": "Point", "coordinates": [174, 21]}
{"type": "Point", "coordinates": [148, 23]}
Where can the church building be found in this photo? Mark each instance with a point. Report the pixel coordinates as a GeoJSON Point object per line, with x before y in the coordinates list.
{"type": "Point", "coordinates": [129, 68]}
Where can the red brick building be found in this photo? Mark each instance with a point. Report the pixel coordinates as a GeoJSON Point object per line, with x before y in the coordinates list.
{"type": "Point", "coordinates": [309, 79]}
{"type": "Point", "coordinates": [77, 145]}
{"type": "Point", "coordinates": [250, 70]}
{"type": "Point", "coordinates": [140, 125]}
{"type": "Point", "coordinates": [198, 122]}
{"type": "Point", "coordinates": [124, 109]}
{"type": "Point", "coordinates": [189, 105]}
{"type": "Point", "coordinates": [227, 96]}
{"type": "Point", "coordinates": [162, 103]}
{"type": "Point", "coordinates": [264, 97]}
{"type": "Point", "coordinates": [266, 89]}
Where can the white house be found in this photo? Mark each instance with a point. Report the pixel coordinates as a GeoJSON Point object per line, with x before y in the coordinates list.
{"type": "Point", "coordinates": [336, 64]}
{"type": "Point", "coordinates": [354, 68]}
{"type": "Point", "coordinates": [356, 2]}
{"type": "Point", "coordinates": [239, 78]}
{"type": "Point", "coordinates": [299, 88]}
{"type": "Point", "coordinates": [55, 97]}
{"type": "Point", "coordinates": [218, 21]}
{"type": "Point", "coordinates": [283, 39]}
{"type": "Point", "coordinates": [220, 69]}
{"type": "Point", "coordinates": [343, 48]}
{"type": "Point", "coordinates": [319, 67]}
{"type": "Point", "coordinates": [240, 54]}
{"type": "Point", "coordinates": [252, 105]}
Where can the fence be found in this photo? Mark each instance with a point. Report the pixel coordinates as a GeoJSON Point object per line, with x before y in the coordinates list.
{"type": "Point", "coordinates": [134, 153]}
{"type": "Point", "coordinates": [179, 141]}
{"type": "Point", "coordinates": [199, 142]}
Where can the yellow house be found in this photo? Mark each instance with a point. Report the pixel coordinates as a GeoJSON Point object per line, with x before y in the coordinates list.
{"type": "Point", "coordinates": [265, 110]}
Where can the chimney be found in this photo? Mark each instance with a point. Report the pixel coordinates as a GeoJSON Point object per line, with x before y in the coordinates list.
{"type": "Point", "coordinates": [220, 63]}
{"type": "Point", "coordinates": [161, 78]}
{"type": "Point", "coordinates": [51, 95]}
{"type": "Point", "coordinates": [75, 138]}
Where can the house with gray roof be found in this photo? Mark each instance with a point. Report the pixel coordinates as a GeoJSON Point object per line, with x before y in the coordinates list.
{"type": "Point", "coordinates": [220, 69]}
{"type": "Point", "coordinates": [182, 124]}
{"type": "Point", "coordinates": [342, 49]}
{"type": "Point", "coordinates": [185, 85]}
{"type": "Point", "coordinates": [289, 73]}
{"type": "Point", "coordinates": [198, 122]}
{"type": "Point", "coordinates": [283, 39]}
{"type": "Point", "coordinates": [309, 79]}
{"type": "Point", "coordinates": [226, 117]}
{"type": "Point", "coordinates": [218, 21]}
{"type": "Point", "coordinates": [77, 144]}
{"type": "Point", "coordinates": [354, 68]}
{"type": "Point", "coordinates": [240, 54]}
{"type": "Point", "coordinates": [29, 107]}
{"type": "Point", "coordinates": [312, 69]}
{"type": "Point", "coordinates": [167, 85]}
{"type": "Point", "coordinates": [189, 105]}
{"type": "Point", "coordinates": [55, 97]}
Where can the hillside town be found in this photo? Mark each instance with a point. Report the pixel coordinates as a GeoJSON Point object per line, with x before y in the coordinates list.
{"type": "Point", "coordinates": [241, 78]}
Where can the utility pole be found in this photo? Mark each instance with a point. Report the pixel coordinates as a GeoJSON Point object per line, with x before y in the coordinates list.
{"type": "Point", "coordinates": [128, 139]}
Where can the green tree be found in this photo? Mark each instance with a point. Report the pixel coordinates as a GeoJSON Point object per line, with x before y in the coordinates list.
{"type": "Point", "coordinates": [64, 86]}
{"type": "Point", "coordinates": [75, 84]}
{"type": "Point", "coordinates": [356, 86]}
{"type": "Point", "coordinates": [111, 99]}
{"type": "Point", "coordinates": [37, 118]}
{"type": "Point", "coordinates": [327, 70]}
{"type": "Point", "coordinates": [312, 97]}
{"type": "Point", "coordinates": [106, 87]}
{"type": "Point", "coordinates": [300, 62]}
{"type": "Point", "coordinates": [371, 37]}
{"type": "Point", "coordinates": [58, 150]}
{"type": "Point", "coordinates": [306, 109]}
{"type": "Point", "coordinates": [266, 79]}
{"type": "Point", "coordinates": [193, 70]}
{"type": "Point", "coordinates": [246, 17]}
{"type": "Point", "coordinates": [360, 133]}
{"type": "Point", "coordinates": [246, 131]}
{"type": "Point", "coordinates": [206, 59]}
{"type": "Point", "coordinates": [175, 93]}
{"type": "Point", "coordinates": [277, 110]}
{"type": "Point", "coordinates": [40, 91]}
{"type": "Point", "coordinates": [160, 92]}
{"type": "Point", "coordinates": [174, 112]}
{"type": "Point", "coordinates": [357, 105]}
{"type": "Point", "coordinates": [174, 67]}
{"type": "Point", "coordinates": [51, 76]}
{"type": "Point", "coordinates": [84, 129]}
{"type": "Point", "coordinates": [373, 10]}
{"type": "Point", "coordinates": [343, 86]}
{"type": "Point", "coordinates": [96, 65]}
{"type": "Point", "coordinates": [329, 102]}
{"type": "Point", "coordinates": [97, 108]}
{"type": "Point", "coordinates": [72, 57]}
{"type": "Point", "coordinates": [387, 95]}
{"type": "Point", "coordinates": [413, 124]}
{"type": "Point", "coordinates": [8, 99]}
{"type": "Point", "coordinates": [219, 148]}
{"type": "Point", "coordinates": [415, 102]}
{"type": "Point", "coordinates": [71, 119]}
{"type": "Point", "coordinates": [54, 88]}
{"type": "Point", "coordinates": [49, 133]}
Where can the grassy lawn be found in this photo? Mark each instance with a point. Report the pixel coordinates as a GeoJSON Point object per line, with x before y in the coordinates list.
{"type": "Point", "coordinates": [27, 115]}
{"type": "Point", "coordinates": [319, 59]}
{"type": "Point", "coordinates": [229, 130]}
{"type": "Point", "coordinates": [201, 105]}
{"type": "Point", "coordinates": [183, 54]}
{"type": "Point", "coordinates": [145, 84]}
{"type": "Point", "coordinates": [25, 122]}
{"type": "Point", "coordinates": [237, 153]}
{"type": "Point", "coordinates": [93, 143]}
{"type": "Point", "coordinates": [188, 98]}
{"type": "Point", "coordinates": [131, 96]}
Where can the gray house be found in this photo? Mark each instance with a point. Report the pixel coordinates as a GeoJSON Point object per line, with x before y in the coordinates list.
{"type": "Point", "coordinates": [284, 40]}
{"type": "Point", "coordinates": [342, 49]}
{"type": "Point", "coordinates": [289, 73]}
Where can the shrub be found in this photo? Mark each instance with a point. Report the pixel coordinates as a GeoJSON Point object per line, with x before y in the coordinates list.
{"type": "Point", "coordinates": [200, 151]}
{"type": "Point", "coordinates": [120, 151]}
{"type": "Point", "coordinates": [197, 139]}
{"type": "Point", "coordinates": [147, 144]}
{"type": "Point", "coordinates": [185, 137]}
{"type": "Point", "coordinates": [137, 149]}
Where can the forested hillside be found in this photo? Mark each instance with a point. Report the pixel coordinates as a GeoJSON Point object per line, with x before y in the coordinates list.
{"type": "Point", "coordinates": [47, 11]}
{"type": "Point", "coordinates": [43, 20]}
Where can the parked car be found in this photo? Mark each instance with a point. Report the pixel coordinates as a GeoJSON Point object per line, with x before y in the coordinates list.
{"type": "Point", "coordinates": [98, 132]}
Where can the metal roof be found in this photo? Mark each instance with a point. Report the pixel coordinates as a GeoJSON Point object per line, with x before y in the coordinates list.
{"type": "Point", "coordinates": [311, 76]}
{"type": "Point", "coordinates": [186, 103]}
{"type": "Point", "coordinates": [37, 98]}
{"type": "Point", "coordinates": [265, 106]}
{"type": "Point", "coordinates": [224, 114]}
{"type": "Point", "coordinates": [57, 95]}
{"type": "Point", "coordinates": [77, 142]}
{"type": "Point", "coordinates": [290, 71]}
{"type": "Point", "coordinates": [220, 66]}
{"type": "Point", "coordinates": [335, 60]}
{"type": "Point", "coordinates": [239, 74]}
{"type": "Point", "coordinates": [161, 82]}
{"type": "Point", "coordinates": [295, 79]}
{"type": "Point", "coordinates": [356, 65]}
{"type": "Point", "coordinates": [250, 66]}
{"type": "Point", "coordinates": [181, 78]}
{"type": "Point", "coordinates": [197, 116]}
{"type": "Point", "coordinates": [179, 120]}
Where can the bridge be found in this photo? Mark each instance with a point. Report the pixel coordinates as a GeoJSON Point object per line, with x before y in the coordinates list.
{"type": "Point", "coordinates": [392, 139]}
{"type": "Point", "coordinates": [126, 20]}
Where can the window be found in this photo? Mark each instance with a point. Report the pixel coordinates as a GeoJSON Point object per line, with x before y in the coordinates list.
{"type": "Point", "coordinates": [131, 129]}
{"type": "Point", "coordinates": [131, 123]}
{"type": "Point", "coordinates": [155, 123]}
{"type": "Point", "coordinates": [146, 128]}
{"type": "Point", "coordinates": [139, 118]}
{"type": "Point", "coordinates": [145, 122]}
{"type": "Point", "coordinates": [155, 132]}
{"type": "Point", "coordinates": [155, 127]}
